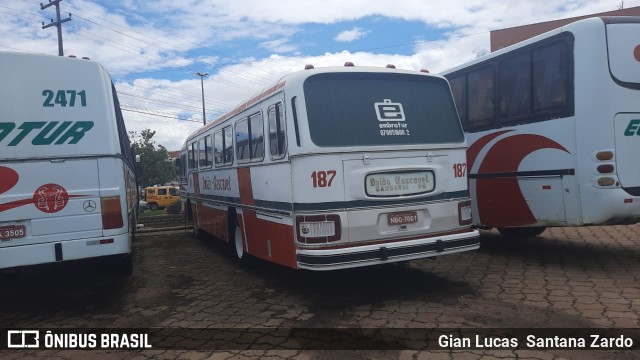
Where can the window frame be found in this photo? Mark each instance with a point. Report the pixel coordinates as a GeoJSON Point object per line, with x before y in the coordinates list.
{"type": "Point", "coordinates": [568, 110]}
{"type": "Point", "coordinates": [280, 119]}
{"type": "Point", "coordinates": [223, 154]}
{"type": "Point", "coordinates": [192, 161]}
{"type": "Point", "coordinates": [247, 119]}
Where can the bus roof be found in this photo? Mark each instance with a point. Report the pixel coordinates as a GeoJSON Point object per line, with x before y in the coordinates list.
{"type": "Point", "coordinates": [569, 27]}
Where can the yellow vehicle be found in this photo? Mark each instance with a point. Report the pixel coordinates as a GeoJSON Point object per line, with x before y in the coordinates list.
{"type": "Point", "coordinates": [161, 196]}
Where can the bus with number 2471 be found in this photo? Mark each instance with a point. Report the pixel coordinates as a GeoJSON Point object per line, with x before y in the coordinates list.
{"type": "Point", "coordinates": [67, 173]}
{"type": "Point", "coordinates": [334, 168]}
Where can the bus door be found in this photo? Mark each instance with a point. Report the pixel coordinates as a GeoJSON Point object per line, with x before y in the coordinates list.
{"type": "Point", "coordinates": [544, 197]}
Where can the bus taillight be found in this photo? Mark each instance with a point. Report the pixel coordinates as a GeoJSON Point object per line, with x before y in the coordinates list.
{"type": "Point", "coordinates": [604, 155]}
{"type": "Point", "coordinates": [606, 181]}
{"type": "Point", "coordinates": [111, 212]}
{"type": "Point", "coordinates": [318, 229]}
{"type": "Point", "coordinates": [464, 213]}
{"type": "Point", "coordinates": [605, 169]}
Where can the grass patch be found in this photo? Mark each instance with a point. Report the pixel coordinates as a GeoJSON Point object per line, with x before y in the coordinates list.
{"type": "Point", "coordinates": [152, 213]}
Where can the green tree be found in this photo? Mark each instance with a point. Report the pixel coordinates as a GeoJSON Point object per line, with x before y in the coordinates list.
{"type": "Point", "coordinates": [157, 168]}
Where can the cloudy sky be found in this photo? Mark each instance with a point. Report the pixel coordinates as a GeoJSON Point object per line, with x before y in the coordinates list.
{"type": "Point", "coordinates": [152, 49]}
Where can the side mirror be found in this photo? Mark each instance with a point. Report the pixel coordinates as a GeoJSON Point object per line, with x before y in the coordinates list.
{"type": "Point", "coordinates": [178, 167]}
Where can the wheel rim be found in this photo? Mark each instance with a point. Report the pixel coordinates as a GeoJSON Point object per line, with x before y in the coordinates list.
{"type": "Point", "coordinates": [238, 243]}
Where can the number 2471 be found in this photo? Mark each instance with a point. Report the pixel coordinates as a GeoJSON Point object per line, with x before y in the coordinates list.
{"type": "Point", "coordinates": [60, 98]}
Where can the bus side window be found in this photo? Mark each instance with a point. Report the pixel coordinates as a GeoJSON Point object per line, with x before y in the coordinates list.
{"type": "Point", "coordinates": [218, 147]}
{"type": "Point", "coordinates": [191, 153]}
{"type": "Point", "coordinates": [514, 87]}
{"type": "Point", "coordinates": [183, 165]}
{"type": "Point", "coordinates": [242, 140]}
{"type": "Point", "coordinates": [208, 151]}
{"type": "Point", "coordinates": [481, 96]}
{"type": "Point", "coordinates": [459, 90]}
{"type": "Point", "coordinates": [202, 161]}
{"type": "Point", "coordinates": [228, 145]}
{"type": "Point", "coordinates": [550, 78]}
{"type": "Point", "coordinates": [256, 128]}
{"type": "Point", "coordinates": [277, 131]}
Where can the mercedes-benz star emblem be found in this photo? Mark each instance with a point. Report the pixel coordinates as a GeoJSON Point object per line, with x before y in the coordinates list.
{"type": "Point", "coordinates": [89, 206]}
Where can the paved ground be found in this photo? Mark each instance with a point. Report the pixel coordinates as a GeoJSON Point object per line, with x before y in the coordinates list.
{"type": "Point", "coordinates": [567, 277]}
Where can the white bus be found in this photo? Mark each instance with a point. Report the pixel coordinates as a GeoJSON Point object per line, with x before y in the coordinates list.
{"type": "Point", "coordinates": [67, 179]}
{"type": "Point", "coordinates": [552, 124]}
{"type": "Point", "coordinates": [334, 168]}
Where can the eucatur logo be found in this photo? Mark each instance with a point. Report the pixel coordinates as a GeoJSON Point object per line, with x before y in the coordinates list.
{"type": "Point", "coordinates": [48, 132]}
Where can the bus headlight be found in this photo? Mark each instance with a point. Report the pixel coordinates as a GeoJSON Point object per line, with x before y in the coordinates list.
{"type": "Point", "coordinates": [318, 229]}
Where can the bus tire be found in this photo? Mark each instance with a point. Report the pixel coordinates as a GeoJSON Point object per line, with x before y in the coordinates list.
{"type": "Point", "coordinates": [153, 206]}
{"type": "Point", "coordinates": [123, 265]}
{"type": "Point", "coordinates": [197, 232]}
{"type": "Point", "coordinates": [521, 232]}
{"type": "Point", "coordinates": [237, 248]}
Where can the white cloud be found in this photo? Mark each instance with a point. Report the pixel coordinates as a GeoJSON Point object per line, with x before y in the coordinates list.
{"type": "Point", "coordinates": [279, 46]}
{"type": "Point", "coordinates": [183, 36]}
{"type": "Point", "coordinates": [351, 35]}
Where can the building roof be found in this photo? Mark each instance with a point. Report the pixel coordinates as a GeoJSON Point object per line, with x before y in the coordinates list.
{"type": "Point", "coordinates": [509, 36]}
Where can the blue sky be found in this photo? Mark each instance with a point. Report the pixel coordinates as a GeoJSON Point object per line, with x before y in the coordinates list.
{"type": "Point", "coordinates": [153, 48]}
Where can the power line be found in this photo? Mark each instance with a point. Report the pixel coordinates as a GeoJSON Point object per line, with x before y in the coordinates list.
{"type": "Point", "coordinates": [159, 115]}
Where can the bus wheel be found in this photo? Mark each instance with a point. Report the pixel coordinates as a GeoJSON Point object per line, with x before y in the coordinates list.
{"type": "Point", "coordinates": [153, 206]}
{"type": "Point", "coordinates": [521, 232]}
{"type": "Point", "coordinates": [197, 232]}
{"type": "Point", "coordinates": [237, 248]}
{"type": "Point", "coordinates": [123, 265]}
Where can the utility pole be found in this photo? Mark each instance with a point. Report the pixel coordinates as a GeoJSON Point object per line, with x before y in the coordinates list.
{"type": "Point", "coordinates": [204, 118]}
{"type": "Point", "coordinates": [57, 23]}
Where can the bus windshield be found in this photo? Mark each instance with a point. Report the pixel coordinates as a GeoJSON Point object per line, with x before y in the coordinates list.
{"type": "Point", "coordinates": [368, 109]}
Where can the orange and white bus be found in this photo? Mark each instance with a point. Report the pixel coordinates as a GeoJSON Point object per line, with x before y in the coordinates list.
{"type": "Point", "coordinates": [334, 168]}
{"type": "Point", "coordinates": [552, 124]}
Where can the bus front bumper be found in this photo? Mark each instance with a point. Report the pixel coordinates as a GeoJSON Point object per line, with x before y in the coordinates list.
{"type": "Point", "coordinates": [377, 254]}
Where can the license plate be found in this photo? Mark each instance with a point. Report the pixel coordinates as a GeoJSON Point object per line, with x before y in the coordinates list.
{"type": "Point", "coordinates": [404, 183]}
{"type": "Point", "coordinates": [12, 232]}
{"type": "Point", "coordinates": [410, 217]}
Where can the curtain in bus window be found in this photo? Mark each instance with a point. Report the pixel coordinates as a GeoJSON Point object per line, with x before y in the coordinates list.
{"type": "Point", "coordinates": [208, 151]}
{"type": "Point", "coordinates": [481, 96]}
{"type": "Point", "coordinates": [242, 140]}
{"type": "Point", "coordinates": [276, 131]}
{"type": "Point", "coordinates": [514, 86]}
{"type": "Point", "coordinates": [459, 90]}
{"type": "Point", "coordinates": [549, 78]}
{"type": "Point", "coordinates": [202, 160]}
{"type": "Point", "coordinates": [228, 145]}
{"type": "Point", "coordinates": [257, 136]}
{"type": "Point", "coordinates": [360, 109]}
{"type": "Point", "coordinates": [190, 154]}
{"type": "Point", "coordinates": [217, 147]}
